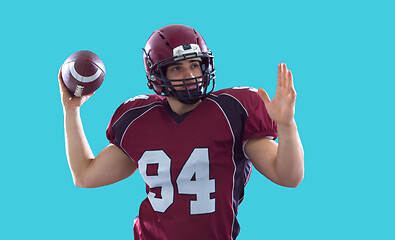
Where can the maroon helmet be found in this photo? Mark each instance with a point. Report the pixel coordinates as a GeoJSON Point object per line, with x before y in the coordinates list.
{"type": "Point", "coordinates": [171, 44]}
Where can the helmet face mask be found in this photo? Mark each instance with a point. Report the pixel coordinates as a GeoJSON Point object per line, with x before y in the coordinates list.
{"type": "Point", "coordinates": [189, 90]}
{"type": "Point", "coordinates": [159, 54]}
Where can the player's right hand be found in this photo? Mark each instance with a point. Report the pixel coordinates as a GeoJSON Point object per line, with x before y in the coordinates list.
{"type": "Point", "coordinates": [69, 101]}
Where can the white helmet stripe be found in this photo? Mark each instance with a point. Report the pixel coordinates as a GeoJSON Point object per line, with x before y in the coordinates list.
{"type": "Point", "coordinates": [82, 78]}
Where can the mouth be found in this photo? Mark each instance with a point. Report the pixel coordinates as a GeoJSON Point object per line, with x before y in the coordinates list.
{"type": "Point", "coordinates": [194, 84]}
{"type": "Point", "coordinates": [191, 86]}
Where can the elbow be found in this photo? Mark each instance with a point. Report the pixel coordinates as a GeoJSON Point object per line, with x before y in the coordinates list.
{"type": "Point", "coordinates": [294, 181]}
{"type": "Point", "coordinates": [294, 184]}
{"type": "Point", "coordinates": [86, 182]}
{"type": "Point", "coordinates": [297, 181]}
{"type": "Point", "coordinates": [83, 185]}
{"type": "Point", "coordinates": [80, 182]}
{"type": "Point", "coordinates": [295, 178]}
{"type": "Point", "coordinates": [79, 185]}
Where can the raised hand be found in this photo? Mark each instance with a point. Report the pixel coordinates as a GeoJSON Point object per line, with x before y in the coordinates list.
{"type": "Point", "coordinates": [69, 101]}
{"type": "Point", "coordinates": [281, 108]}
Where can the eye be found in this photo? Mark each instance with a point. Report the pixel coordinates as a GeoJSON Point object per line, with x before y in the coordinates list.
{"type": "Point", "coordinates": [175, 68]}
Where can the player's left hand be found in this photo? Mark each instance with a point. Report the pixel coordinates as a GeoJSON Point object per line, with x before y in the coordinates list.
{"type": "Point", "coordinates": [281, 108]}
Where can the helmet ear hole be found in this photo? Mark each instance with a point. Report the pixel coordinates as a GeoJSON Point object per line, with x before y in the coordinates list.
{"type": "Point", "coordinates": [152, 84]}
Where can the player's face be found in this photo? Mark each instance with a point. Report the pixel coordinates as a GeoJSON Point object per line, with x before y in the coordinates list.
{"type": "Point", "coordinates": [182, 70]}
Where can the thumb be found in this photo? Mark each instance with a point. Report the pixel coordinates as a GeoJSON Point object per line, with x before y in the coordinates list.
{"type": "Point", "coordinates": [265, 98]}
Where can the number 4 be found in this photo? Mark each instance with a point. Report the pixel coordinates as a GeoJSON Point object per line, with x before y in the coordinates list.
{"type": "Point", "coordinates": [198, 165]}
{"type": "Point", "coordinates": [193, 179]}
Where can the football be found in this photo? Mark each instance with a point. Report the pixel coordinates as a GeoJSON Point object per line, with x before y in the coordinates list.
{"type": "Point", "coordinates": [83, 73]}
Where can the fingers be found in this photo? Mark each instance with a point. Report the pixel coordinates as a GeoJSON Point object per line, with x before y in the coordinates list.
{"type": "Point", "coordinates": [279, 76]}
{"type": "Point", "coordinates": [290, 78]}
{"type": "Point", "coordinates": [61, 83]}
{"type": "Point", "coordinates": [284, 76]}
{"type": "Point", "coordinates": [63, 89]}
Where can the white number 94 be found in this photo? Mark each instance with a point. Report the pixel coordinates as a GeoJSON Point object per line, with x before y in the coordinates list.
{"type": "Point", "coordinates": [198, 165]}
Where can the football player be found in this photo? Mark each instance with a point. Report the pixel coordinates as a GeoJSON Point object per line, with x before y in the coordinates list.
{"type": "Point", "coordinates": [193, 146]}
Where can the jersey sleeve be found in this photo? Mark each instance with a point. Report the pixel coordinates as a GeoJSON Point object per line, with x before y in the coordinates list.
{"type": "Point", "coordinates": [258, 123]}
{"type": "Point", "coordinates": [110, 132]}
{"type": "Point", "coordinates": [125, 114]}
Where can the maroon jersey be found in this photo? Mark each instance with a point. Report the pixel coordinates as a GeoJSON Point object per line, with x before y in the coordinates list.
{"type": "Point", "coordinates": [194, 165]}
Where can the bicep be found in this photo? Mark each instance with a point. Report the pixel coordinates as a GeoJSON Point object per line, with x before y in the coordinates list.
{"type": "Point", "coordinates": [262, 152]}
{"type": "Point", "coordinates": [111, 165]}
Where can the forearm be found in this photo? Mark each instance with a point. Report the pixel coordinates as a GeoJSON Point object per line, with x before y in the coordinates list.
{"type": "Point", "coordinates": [290, 156]}
{"type": "Point", "coordinates": [79, 153]}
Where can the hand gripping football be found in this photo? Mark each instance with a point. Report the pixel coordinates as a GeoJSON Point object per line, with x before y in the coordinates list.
{"type": "Point", "coordinates": [83, 73]}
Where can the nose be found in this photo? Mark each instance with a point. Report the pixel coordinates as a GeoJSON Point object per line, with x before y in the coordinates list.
{"type": "Point", "coordinates": [189, 74]}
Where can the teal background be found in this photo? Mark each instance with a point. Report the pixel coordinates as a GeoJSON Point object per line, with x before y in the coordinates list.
{"type": "Point", "coordinates": [341, 54]}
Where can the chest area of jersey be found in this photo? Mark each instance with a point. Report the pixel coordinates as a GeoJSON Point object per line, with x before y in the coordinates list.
{"type": "Point", "coordinates": [204, 128]}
